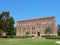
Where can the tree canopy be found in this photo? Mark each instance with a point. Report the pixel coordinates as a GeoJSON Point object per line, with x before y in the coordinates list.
{"type": "Point", "coordinates": [48, 30]}
{"type": "Point", "coordinates": [58, 27]}
{"type": "Point", "coordinates": [6, 23]}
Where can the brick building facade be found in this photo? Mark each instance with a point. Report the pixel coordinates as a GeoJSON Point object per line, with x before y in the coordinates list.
{"type": "Point", "coordinates": [36, 26]}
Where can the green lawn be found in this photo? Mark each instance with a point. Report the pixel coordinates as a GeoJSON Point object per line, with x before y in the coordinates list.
{"type": "Point", "coordinates": [13, 41]}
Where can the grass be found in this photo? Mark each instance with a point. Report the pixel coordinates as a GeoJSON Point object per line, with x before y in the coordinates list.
{"type": "Point", "coordinates": [14, 41]}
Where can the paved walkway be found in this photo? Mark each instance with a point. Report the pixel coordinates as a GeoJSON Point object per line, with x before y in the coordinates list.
{"type": "Point", "coordinates": [58, 42]}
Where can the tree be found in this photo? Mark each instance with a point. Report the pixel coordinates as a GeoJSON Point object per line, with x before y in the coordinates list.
{"type": "Point", "coordinates": [48, 30]}
{"type": "Point", "coordinates": [10, 28]}
{"type": "Point", "coordinates": [58, 27]}
{"type": "Point", "coordinates": [7, 23]}
{"type": "Point", "coordinates": [1, 25]}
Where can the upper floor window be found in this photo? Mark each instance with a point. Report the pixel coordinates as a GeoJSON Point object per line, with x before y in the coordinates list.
{"type": "Point", "coordinates": [28, 28]}
{"type": "Point", "coordinates": [37, 23]}
{"type": "Point", "coordinates": [33, 28]}
{"type": "Point", "coordinates": [50, 21]}
{"type": "Point", "coordinates": [23, 28]}
{"type": "Point", "coordinates": [38, 28]}
{"type": "Point", "coordinates": [44, 22]}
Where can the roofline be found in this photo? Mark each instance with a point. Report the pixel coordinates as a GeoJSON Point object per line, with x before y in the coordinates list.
{"type": "Point", "coordinates": [37, 19]}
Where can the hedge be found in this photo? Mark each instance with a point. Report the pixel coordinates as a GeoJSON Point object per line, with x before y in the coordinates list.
{"type": "Point", "coordinates": [51, 37]}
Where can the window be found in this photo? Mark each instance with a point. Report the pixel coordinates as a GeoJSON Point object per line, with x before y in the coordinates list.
{"type": "Point", "coordinates": [23, 28]}
{"type": "Point", "coordinates": [33, 28]}
{"type": "Point", "coordinates": [20, 28]}
{"type": "Point", "coordinates": [37, 23]}
{"type": "Point", "coordinates": [28, 28]}
{"type": "Point", "coordinates": [41, 28]}
{"type": "Point", "coordinates": [38, 28]}
{"type": "Point", "coordinates": [49, 21]}
{"type": "Point", "coordinates": [44, 26]}
{"type": "Point", "coordinates": [29, 24]}
{"type": "Point", "coordinates": [32, 32]}
{"type": "Point", "coordinates": [33, 23]}
{"type": "Point", "coordinates": [44, 22]}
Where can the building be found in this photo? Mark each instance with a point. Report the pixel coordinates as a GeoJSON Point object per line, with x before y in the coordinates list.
{"type": "Point", "coordinates": [36, 26]}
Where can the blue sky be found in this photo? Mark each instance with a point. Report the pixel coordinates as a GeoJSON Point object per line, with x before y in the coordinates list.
{"type": "Point", "coordinates": [27, 9]}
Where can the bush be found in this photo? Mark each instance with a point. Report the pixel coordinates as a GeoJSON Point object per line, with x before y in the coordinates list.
{"type": "Point", "coordinates": [7, 37]}
{"type": "Point", "coordinates": [23, 37]}
{"type": "Point", "coordinates": [58, 32]}
{"type": "Point", "coordinates": [51, 37]}
{"type": "Point", "coordinates": [32, 35]}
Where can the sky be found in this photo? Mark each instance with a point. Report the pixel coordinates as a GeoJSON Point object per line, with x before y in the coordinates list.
{"type": "Point", "coordinates": [29, 9]}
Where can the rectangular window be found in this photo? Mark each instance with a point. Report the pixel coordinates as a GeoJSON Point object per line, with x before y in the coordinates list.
{"type": "Point", "coordinates": [33, 28]}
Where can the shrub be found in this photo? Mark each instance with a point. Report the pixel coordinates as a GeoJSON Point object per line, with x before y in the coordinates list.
{"type": "Point", "coordinates": [23, 37]}
{"type": "Point", "coordinates": [32, 35]}
{"type": "Point", "coordinates": [51, 37]}
{"type": "Point", "coordinates": [7, 37]}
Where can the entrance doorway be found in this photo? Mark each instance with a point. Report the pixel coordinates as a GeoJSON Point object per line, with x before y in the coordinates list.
{"type": "Point", "coordinates": [38, 33]}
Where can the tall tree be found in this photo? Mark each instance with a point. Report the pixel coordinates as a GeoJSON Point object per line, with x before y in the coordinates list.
{"type": "Point", "coordinates": [1, 25]}
{"type": "Point", "coordinates": [7, 23]}
{"type": "Point", "coordinates": [10, 27]}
